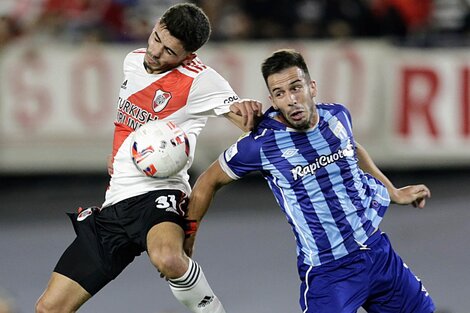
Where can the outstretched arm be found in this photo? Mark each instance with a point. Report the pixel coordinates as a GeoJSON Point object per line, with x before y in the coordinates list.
{"type": "Point", "coordinates": [201, 197]}
{"type": "Point", "coordinates": [413, 194]}
{"type": "Point", "coordinates": [245, 113]}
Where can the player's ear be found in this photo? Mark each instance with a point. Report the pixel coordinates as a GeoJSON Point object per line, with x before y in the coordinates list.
{"type": "Point", "coordinates": [272, 103]}
{"type": "Point", "coordinates": [313, 88]}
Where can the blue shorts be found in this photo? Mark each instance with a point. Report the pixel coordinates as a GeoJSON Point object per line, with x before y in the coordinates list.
{"type": "Point", "coordinates": [376, 279]}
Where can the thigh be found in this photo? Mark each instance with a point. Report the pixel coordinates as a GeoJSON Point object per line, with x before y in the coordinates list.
{"type": "Point", "coordinates": [82, 264]}
{"type": "Point", "coordinates": [394, 287]}
{"type": "Point", "coordinates": [164, 242]}
{"type": "Point", "coordinates": [91, 260]}
{"type": "Point", "coordinates": [165, 249]}
{"type": "Point", "coordinates": [140, 214]}
{"type": "Point", "coordinates": [336, 287]}
{"type": "Point", "coordinates": [64, 293]}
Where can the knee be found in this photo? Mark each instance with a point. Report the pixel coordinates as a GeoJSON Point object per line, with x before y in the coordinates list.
{"type": "Point", "coordinates": [43, 305]}
{"type": "Point", "coordinates": [170, 264]}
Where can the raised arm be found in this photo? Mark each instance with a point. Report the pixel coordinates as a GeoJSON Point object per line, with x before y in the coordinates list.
{"type": "Point", "coordinates": [201, 197]}
{"type": "Point", "coordinates": [245, 113]}
{"type": "Point", "coordinates": [413, 194]}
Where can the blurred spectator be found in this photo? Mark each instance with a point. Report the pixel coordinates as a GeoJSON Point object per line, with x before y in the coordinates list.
{"type": "Point", "coordinates": [229, 20]}
{"type": "Point", "coordinates": [16, 16]}
{"type": "Point", "coordinates": [75, 20]}
{"type": "Point", "coordinates": [348, 18]}
{"type": "Point", "coordinates": [271, 19]}
{"type": "Point", "coordinates": [141, 15]}
{"type": "Point", "coordinates": [402, 17]}
{"type": "Point", "coordinates": [24, 12]}
{"type": "Point", "coordinates": [309, 18]}
{"type": "Point", "coordinates": [9, 30]}
{"type": "Point", "coordinates": [451, 16]}
{"type": "Point", "coordinates": [416, 21]}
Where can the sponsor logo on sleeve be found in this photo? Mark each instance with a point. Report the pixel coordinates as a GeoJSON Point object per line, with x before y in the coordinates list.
{"type": "Point", "coordinates": [231, 99]}
{"type": "Point", "coordinates": [231, 152]}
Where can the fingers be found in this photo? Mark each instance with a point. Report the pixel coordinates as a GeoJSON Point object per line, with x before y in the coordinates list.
{"type": "Point", "coordinates": [248, 109]}
{"type": "Point", "coordinates": [257, 107]}
{"type": "Point", "coordinates": [414, 194]}
{"type": "Point", "coordinates": [419, 203]}
{"type": "Point", "coordinates": [248, 117]}
{"type": "Point", "coordinates": [240, 107]}
{"type": "Point", "coordinates": [420, 193]}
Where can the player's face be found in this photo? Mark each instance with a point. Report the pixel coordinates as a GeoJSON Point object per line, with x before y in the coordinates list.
{"type": "Point", "coordinates": [292, 93]}
{"type": "Point", "coordinates": [164, 52]}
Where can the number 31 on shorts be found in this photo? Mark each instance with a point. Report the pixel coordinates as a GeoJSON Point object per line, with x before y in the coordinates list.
{"type": "Point", "coordinates": [169, 204]}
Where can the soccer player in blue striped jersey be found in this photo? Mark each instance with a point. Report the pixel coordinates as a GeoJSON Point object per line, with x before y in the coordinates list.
{"type": "Point", "coordinates": [332, 193]}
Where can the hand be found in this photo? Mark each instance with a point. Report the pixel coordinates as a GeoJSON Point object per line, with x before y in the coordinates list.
{"type": "Point", "coordinates": [250, 110]}
{"type": "Point", "coordinates": [110, 164]}
{"type": "Point", "coordinates": [188, 244]}
{"type": "Point", "coordinates": [414, 194]}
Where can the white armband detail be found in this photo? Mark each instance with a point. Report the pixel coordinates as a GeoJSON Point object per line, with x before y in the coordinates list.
{"type": "Point", "coordinates": [226, 168]}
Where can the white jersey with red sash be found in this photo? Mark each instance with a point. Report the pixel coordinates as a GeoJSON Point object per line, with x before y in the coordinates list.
{"type": "Point", "coordinates": [186, 95]}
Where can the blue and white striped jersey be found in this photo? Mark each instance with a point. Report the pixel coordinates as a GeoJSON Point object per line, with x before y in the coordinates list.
{"type": "Point", "coordinates": [331, 204]}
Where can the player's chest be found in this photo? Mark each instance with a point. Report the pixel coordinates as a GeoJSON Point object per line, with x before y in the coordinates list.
{"type": "Point", "coordinates": [159, 97]}
{"type": "Point", "coordinates": [313, 154]}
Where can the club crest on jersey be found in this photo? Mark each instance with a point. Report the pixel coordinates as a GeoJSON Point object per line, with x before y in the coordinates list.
{"type": "Point", "coordinates": [160, 100]}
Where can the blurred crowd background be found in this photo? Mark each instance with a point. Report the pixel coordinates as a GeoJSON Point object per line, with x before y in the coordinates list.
{"type": "Point", "coordinates": [405, 22]}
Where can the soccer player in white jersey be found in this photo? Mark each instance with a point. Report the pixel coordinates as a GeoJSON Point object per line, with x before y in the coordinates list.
{"type": "Point", "coordinates": [165, 81]}
{"type": "Point", "coordinates": [331, 192]}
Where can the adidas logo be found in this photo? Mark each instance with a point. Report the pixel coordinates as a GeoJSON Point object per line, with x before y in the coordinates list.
{"type": "Point", "coordinates": [206, 301]}
{"type": "Point", "coordinates": [124, 84]}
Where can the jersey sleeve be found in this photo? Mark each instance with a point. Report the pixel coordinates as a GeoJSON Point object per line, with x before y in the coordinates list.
{"type": "Point", "coordinates": [210, 94]}
{"type": "Point", "coordinates": [130, 60]}
{"type": "Point", "coordinates": [345, 116]}
{"type": "Point", "coordinates": [242, 157]}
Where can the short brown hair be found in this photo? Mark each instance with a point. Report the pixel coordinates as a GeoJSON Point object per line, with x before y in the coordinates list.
{"type": "Point", "coordinates": [189, 24]}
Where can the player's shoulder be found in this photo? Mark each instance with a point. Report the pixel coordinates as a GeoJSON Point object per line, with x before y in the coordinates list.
{"type": "Point", "coordinates": [136, 54]}
{"type": "Point", "coordinates": [332, 108]}
{"type": "Point", "coordinates": [134, 57]}
{"type": "Point", "coordinates": [256, 139]}
{"type": "Point", "coordinates": [250, 144]}
{"type": "Point", "coordinates": [194, 67]}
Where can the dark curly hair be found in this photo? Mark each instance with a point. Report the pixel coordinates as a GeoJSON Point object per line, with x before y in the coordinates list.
{"type": "Point", "coordinates": [189, 24]}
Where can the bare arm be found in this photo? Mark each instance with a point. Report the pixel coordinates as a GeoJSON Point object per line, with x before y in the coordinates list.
{"type": "Point", "coordinates": [201, 197]}
{"type": "Point", "coordinates": [245, 113]}
{"type": "Point", "coordinates": [413, 194]}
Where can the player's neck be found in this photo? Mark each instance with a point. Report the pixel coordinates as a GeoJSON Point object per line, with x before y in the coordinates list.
{"type": "Point", "coordinates": [313, 123]}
